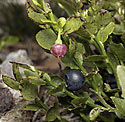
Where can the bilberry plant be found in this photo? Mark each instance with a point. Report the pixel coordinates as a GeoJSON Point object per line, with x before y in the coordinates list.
{"type": "Point", "coordinates": [84, 39]}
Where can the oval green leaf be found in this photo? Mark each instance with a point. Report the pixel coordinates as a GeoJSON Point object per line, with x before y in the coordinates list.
{"type": "Point", "coordinates": [10, 82]}
{"type": "Point", "coordinates": [72, 24]}
{"type": "Point", "coordinates": [52, 113]}
{"type": "Point", "coordinates": [95, 58]}
{"type": "Point", "coordinates": [94, 113]}
{"type": "Point", "coordinates": [46, 38]}
{"type": "Point", "coordinates": [121, 77]}
{"type": "Point", "coordinates": [120, 104]}
{"type": "Point", "coordinates": [28, 90]}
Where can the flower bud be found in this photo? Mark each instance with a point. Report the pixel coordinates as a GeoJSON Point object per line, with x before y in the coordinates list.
{"type": "Point", "coordinates": [58, 50]}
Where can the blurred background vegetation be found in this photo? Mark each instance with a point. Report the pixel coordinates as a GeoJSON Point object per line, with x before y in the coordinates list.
{"type": "Point", "coordinates": [15, 27]}
{"type": "Point", "coordinates": [14, 20]}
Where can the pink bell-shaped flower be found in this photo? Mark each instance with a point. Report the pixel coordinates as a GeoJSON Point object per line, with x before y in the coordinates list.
{"type": "Point", "coordinates": [58, 50]}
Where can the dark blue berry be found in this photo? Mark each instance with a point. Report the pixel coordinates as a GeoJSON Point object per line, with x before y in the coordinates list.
{"type": "Point", "coordinates": [58, 50]}
{"type": "Point", "coordinates": [74, 80]}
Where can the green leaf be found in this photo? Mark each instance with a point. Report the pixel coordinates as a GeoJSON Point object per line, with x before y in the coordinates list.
{"type": "Point", "coordinates": [98, 82]}
{"type": "Point", "coordinates": [72, 46]}
{"type": "Point", "coordinates": [36, 81]}
{"type": "Point", "coordinates": [89, 64]}
{"type": "Point", "coordinates": [42, 4]}
{"type": "Point", "coordinates": [34, 78]}
{"type": "Point", "coordinates": [36, 3]}
{"type": "Point", "coordinates": [119, 50]}
{"type": "Point", "coordinates": [113, 59]}
{"type": "Point", "coordinates": [119, 29]}
{"type": "Point", "coordinates": [41, 104]}
{"type": "Point", "coordinates": [72, 24]}
{"type": "Point", "coordinates": [59, 91]}
{"type": "Point", "coordinates": [80, 48]}
{"type": "Point", "coordinates": [69, 8]}
{"type": "Point", "coordinates": [46, 38]}
{"type": "Point", "coordinates": [104, 33]}
{"type": "Point", "coordinates": [123, 39]}
{"type": "Point", "coordinates": [68, 61]}
{"type": "Point", "coordinates": [63, 120]}
{"type": "Point", "coordinates": [103, 19]}
{"type": "Point", "coordinates": [94, 113]}
{"type": "Point", "coordinates": [31, 107]}
{"type": "Point", "coordinates": [25, 66]}
{"type": "Point", "coordinates": [29, 73]}
{"type": "Point", "coordinates": [82, 33]}
{"type": "Point", "coordinates": [16, 72]}
{"type": "Point", "coordinates": [11, 82]}
{"type": "Point", "coordinates": [56, 79]}
{"type": "Point", "coordinates": [28, 90]}
{"type": "Point", "coordinates": [90, 101]}
{"type": "Point", "coordinates": [8, 40]}
{"type": "Point", "coordinates": [91, 28]}
{"type": "Point", "coordinates": [50, 83]}
{"type": "Point", "coordinates": [95, 81]}
{"type": "Point", "coordinates": [80, 100]}
{"type": "Point", "coordinates": [120, 105]}
{"type": "Point", "coordinates": [46, 77]}
{"type": "Point", "coordinates": [61, 22]}
{"type": "Point", "coordinates": [95, 58]}
{"type": "Point", "coordinates": [52, 113]}
{"type": "Point", "coordinates": [121, 77]}
{"type": "Point", "coordinates": [89, 77]}
{"type": "Point", "coordinates": [79, 57]}
{"type": "Point", "coordinates": [85, 117]}
{"type": "Point", "coordinates": [37, 17]}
